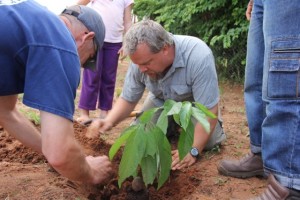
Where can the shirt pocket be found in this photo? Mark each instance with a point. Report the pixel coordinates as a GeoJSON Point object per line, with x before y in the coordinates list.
{"type": "Point", "coordinates": [181, 93]}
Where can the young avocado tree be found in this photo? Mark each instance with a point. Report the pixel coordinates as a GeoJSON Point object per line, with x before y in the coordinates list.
{"type": "Point", "coordinates": [146, 146]}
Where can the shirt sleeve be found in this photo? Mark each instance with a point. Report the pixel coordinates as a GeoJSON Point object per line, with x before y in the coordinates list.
{"type": "Point", "coordinates": [204, 81]}
{"type": "Point", "coordinates": [133, 87]}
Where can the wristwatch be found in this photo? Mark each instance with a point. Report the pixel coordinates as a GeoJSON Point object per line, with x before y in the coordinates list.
{"type": "Point", "coordinates": [194, 152]}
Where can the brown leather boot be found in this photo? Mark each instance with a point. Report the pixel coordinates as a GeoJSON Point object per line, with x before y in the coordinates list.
{"type": "Point", "coordinates": [274, 191]}
{"type": "Point", "coordinates": [248, 166]}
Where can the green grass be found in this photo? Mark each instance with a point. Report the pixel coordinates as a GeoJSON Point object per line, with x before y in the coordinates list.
{"type": "Point", "coordinates": [32, 115]}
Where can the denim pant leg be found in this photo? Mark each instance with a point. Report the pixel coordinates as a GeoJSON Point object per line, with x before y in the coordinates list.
{"type": "Point", "coordinates": [281, 90]}
{"type": "Point", "coordinates": [255, 107]}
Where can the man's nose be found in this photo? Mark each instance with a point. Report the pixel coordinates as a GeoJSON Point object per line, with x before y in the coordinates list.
{"type": "Point", "coordinates": [143, 68]}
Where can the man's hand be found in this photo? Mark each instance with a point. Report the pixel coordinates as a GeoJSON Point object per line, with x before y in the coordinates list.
{"type": "Point", "coordinates": [101, 168]}
{"type": "Point", "coordinates": [98, 126]}
{"type": "Point", "coordinates": [249, 9]}
{"type": "Point", "coordinates": [187, 161]}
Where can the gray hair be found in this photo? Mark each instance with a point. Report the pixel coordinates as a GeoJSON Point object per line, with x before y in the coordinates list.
{"type": "Point", "coordinates": [76, 25]}
{"type": "Point", "coordinates": [149, 32]}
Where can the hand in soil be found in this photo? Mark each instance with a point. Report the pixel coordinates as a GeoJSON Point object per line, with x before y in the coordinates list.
{"type": "Point", "coordinates": [101, 168]}
{"type": "Point", "coordinates": [98, 126]}
{"type": "Point", "coordinates": [93, 129]}
{"type": "Point", "coordinates": [187, 161]}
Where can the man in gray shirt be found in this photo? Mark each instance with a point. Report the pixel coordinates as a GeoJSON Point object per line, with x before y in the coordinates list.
{"type": "Point", "coordinates": [180, 68]}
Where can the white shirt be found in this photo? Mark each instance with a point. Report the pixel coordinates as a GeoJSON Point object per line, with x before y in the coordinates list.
{"type": "Point", "coordinates": [112, 13]}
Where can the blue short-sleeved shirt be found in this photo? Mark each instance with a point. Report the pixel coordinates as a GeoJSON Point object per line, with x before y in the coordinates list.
{"type": "Point", "coordinates": [38, 57]}
{"type": "Point", "coordinates": [192, 76]}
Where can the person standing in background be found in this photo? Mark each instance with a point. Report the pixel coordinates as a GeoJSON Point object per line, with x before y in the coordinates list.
{"type": "Point", "coordinates": [99, 85]}
{"type": "Point", "coordinates": [272, 99]}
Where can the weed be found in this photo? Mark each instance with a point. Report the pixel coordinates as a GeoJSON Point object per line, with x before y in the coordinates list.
{"type": "Point", "coordinates": [238, 145]}
{"type": "Point", "coordinates": [220, 181]}
{"type": "Point", "coordinates": [32, 115]}
{"type": "Point", "coordinates": [211, 153]}
{"type": "Point", "coordinates": [118, 92]}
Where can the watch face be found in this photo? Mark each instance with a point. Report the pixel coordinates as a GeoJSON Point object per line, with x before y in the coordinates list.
{"type": "Point", "coordinates": [194, 152]}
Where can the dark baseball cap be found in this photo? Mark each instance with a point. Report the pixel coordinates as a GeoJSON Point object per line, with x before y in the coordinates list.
{"type": "Point", "coordinates": [93, 22]}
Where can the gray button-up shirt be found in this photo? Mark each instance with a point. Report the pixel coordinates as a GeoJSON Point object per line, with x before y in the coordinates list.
{"type": "Point", "coordinates": [192, 76]}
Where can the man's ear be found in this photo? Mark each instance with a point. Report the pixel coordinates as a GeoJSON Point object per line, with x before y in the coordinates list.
{"type": "Point", "coordinates": [87, 36]}
{"type": "Point", "coordinates": [165, 49]}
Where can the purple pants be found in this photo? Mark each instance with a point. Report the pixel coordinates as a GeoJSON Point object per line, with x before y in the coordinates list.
{"type": "Point", "coordinates": [100, 84]}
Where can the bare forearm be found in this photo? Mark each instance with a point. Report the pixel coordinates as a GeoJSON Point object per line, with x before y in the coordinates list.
{"type": "Point", "coordinates": [62, 150]}
{"type": "Point", "coordinates": [18, 125]}
{"type": "Point", "coordinates": [74, 166]}
{"type": "Point", "coordinates": [22, 129]}
{"type": "Point", "coordinates": [249, 9]}
{"type": "Point", "coordinates": [127, 18]}
{"type": "Point", "coordinates": [127, 26]}
{"type": "Point", "coordinates": [120, 111]}
{"type": "Point", "coordinates": [201, 137]}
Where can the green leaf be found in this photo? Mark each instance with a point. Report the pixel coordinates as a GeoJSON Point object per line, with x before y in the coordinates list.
{"type": "Point", "coordinates": [147, 115]}
{"type": "Point", "coordinates": [164, 157]}
{"type": "Point", "coordinates": [162, 121]}
{"type": "Point", "coordinates": [121, 140]}
{"type": "Point", "coordinates": [176, 118]}
{"type": "Point", "coordinates": [151, 144]}
{"type": "Point", "coordinates": [147, 147]}
{"type": "Point", "coordinates": [175, 108]}
{"type": "Point", "coordinates": [185, 141]}
{"type": "Point", "coordinates": [201, 117]}
{"type": "Point", "coordinates": [149, 169]}
{"type": "Point", "coordinates": [169, 103]}
{"type": "Point", "coordinates": [205, 110]}
{"type": "Point", "coordinates": [185, 114]}
{"type": "Point", "coordinates": [133, 153]}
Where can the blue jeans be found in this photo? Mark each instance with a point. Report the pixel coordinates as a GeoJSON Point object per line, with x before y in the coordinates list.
{"type": "Point", "coordinates": [280, 136]}
{"type": "Point", "coordinates": [255, 107]}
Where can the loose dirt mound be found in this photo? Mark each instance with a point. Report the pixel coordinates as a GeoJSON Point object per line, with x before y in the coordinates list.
{"type": "Point", "coordinates": [25, 174]}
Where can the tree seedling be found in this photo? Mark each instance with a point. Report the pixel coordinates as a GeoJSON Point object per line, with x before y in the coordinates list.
{"type": "Point", "coordinates": [146, 146]}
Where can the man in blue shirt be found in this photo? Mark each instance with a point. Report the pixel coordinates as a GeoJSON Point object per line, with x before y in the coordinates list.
{"type": "Point", "coordinates": [40, 56]}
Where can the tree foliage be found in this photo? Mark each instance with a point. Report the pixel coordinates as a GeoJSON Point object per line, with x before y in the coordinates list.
{"type": "Point", "coordinates": [221, 24]}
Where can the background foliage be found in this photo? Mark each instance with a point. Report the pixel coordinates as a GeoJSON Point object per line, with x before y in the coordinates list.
{"type": "Point", "coordinates": [221, 24]}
